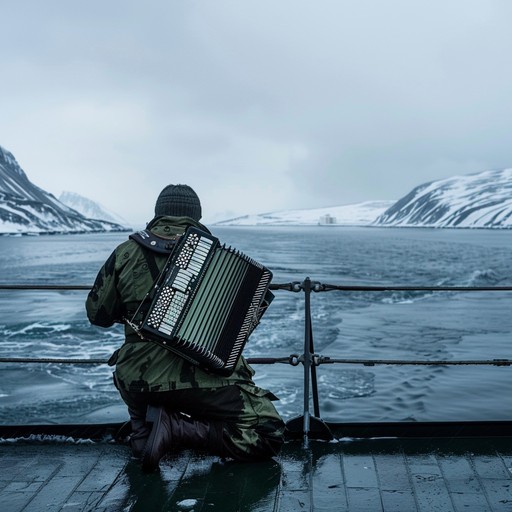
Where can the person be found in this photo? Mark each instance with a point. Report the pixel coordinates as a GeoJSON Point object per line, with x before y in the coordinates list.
{"type": "Point", "coordinates": [172, 403]}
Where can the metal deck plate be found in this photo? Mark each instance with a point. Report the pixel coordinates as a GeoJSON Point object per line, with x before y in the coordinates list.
{"type": "Point", "coordinates": [363, 475]}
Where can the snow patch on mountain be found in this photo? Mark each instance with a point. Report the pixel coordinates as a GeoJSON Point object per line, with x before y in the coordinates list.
{"type": "Point", "coordinates": [358, 214]}
{"type": "Point", "coordinates": [482, 200]}
{"type": "Point", "coordinates": [89, 208]}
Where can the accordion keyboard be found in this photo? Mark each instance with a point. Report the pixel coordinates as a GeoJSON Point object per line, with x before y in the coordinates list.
{"type": "Point", "coordinates": [179, 284]}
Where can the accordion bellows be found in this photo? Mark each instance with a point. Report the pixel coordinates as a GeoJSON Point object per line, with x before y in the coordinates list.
{"type": "Point", "coordinates": [206, 302]}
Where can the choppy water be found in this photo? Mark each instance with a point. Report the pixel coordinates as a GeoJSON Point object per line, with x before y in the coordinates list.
{"type": "Point", "coordinates": [409, 325]}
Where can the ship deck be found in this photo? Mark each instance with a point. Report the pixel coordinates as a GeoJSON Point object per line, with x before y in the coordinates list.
{"type": "Point", "coordinates": [420, 474]}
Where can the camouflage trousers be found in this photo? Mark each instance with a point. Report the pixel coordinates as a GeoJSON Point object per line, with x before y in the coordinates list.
{"type": "Point", "coordinates": [251, 427]}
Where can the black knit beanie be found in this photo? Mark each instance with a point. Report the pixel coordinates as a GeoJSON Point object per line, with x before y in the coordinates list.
{"type": "Point", "coordinates": [178, 201]}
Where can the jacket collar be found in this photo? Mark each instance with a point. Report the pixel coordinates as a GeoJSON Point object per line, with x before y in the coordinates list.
{"type": "Point", "coordinates": [167, 226]}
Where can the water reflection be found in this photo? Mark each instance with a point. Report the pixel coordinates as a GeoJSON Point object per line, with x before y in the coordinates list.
{"type": "Point", "coordinates": [202, 484]}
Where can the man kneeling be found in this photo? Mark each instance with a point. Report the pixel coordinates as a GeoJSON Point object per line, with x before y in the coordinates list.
{"type": "Point", "coordinates": [173, 404]}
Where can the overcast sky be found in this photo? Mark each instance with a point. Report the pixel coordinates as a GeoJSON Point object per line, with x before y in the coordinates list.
{"type": "Point", "coordinates": [258, 105]}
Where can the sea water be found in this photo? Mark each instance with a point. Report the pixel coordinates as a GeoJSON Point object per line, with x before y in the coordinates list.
{"type": "Point", "coordinates": [442, 326]}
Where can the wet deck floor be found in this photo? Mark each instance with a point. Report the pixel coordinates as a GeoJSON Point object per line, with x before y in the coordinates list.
{"type": "Point", "coordinates": [369, 476]}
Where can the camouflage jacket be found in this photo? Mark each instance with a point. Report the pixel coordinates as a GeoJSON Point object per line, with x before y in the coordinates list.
{"type": "Point", "coordinates": [121, 284]}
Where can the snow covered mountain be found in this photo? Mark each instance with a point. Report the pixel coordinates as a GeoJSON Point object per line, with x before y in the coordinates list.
{"type": "Point", "coordinates": [89, 208]}
{"type": "Point", "coordinates": [482, 200]}
{"type": "Point", "coordinates": [359, 214]}
{"type": "Point", "coordinates": [26, 208]}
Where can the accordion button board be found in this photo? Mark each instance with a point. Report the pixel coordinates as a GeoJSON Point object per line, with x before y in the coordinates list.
{"type": "Point", "coordinates": [206, 302]}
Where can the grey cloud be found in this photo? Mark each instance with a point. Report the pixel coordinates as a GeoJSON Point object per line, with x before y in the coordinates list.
{"type": "Point", "coordinates": [335, 101]}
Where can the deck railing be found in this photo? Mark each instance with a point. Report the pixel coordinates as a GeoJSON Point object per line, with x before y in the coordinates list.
{"type": "Point", "coordinates": [309, 358]}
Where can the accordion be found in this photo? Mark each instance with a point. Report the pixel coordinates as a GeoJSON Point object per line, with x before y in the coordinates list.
{"type": "Point", "coordinates": [206, 302]}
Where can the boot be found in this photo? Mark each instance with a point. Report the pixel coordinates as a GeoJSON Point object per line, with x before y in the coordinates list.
{"type": "Point", "coordinates": [172, 432]}
{"type": "Point", "coordinates": [139, 436]}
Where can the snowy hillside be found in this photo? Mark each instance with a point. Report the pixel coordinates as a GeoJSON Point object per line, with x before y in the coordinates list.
{"type": "Point", "coordinates": [26, 208]}
{"type": "Point", "coordinates": [482, 200]}
{"type": "Point", "coordinates": [359, 214]}
{"type": "Point", "coordinates": [89, 208]}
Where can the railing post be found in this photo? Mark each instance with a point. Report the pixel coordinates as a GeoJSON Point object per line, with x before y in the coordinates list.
{"type": "Point", "coordinates": [311, 425]}
{"type": "Point", "coordinates": [306, 286]}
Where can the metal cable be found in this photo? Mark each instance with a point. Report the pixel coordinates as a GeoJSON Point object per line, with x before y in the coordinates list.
{"type": "Point", "coordinates": [292, 360]}
{"type": "Point", "coordinates": [51, 360]}
{"type": "Point", "coordinates": [297, 286]}
{"type": "Point", "coordinates": [45, 360]}
{"type": "Point", "coordinates": [44, 287]}
{"type": "Point", "coordinates": [321, 287]}
{"type": "Point", "coordinates": [372, 362]}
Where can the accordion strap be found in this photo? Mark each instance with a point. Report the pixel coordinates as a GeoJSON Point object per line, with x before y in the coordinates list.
{"type": "Point", "coordinates": [153, 242]}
